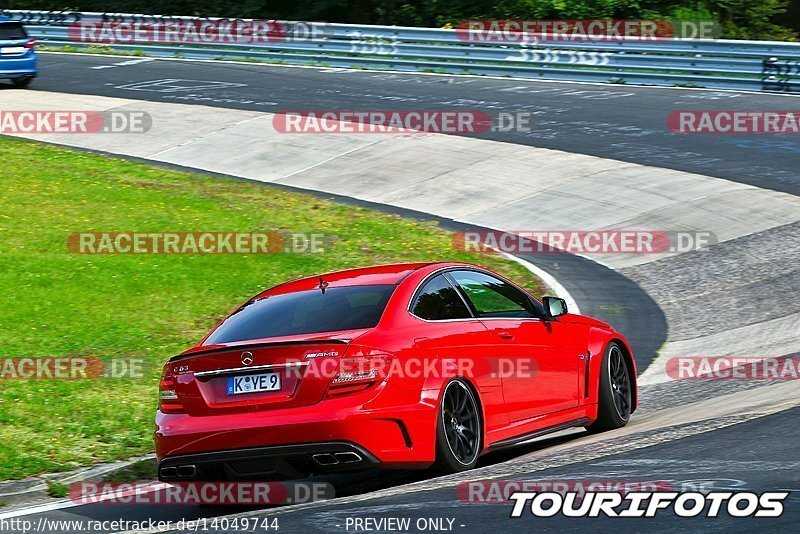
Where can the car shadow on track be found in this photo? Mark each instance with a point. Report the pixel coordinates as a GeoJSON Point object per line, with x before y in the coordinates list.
{"type": "Point", "coordinates": [362, 482]}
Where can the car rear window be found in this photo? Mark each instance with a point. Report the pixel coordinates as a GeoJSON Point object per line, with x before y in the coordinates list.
{"type": "Point", "coordinates": [305, 312]}
{"type": "Point", "coordinates": [12, 31]}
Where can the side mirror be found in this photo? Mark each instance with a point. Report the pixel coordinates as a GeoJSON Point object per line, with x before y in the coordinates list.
{"type": "Point", "coordinates": [554, 306]}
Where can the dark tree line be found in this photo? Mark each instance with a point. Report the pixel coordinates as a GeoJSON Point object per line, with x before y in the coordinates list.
{"type": "Point", "coordinates": [745, 19]}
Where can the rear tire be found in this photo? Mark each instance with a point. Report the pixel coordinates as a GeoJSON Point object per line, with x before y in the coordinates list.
{"type": "Point", "coordinates": [458, 430]}
{"type": "Point", "coordinates": [616, 395]}
{"type": "Point", "coordinates": [21, 83]}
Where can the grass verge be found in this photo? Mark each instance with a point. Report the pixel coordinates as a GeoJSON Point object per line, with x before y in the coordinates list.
{"type": "Point", "coordinates": [62, 304]}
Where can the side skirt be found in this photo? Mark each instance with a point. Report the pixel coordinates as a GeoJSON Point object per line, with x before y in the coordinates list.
{"type": "Point", "coordinates": [582, 421]}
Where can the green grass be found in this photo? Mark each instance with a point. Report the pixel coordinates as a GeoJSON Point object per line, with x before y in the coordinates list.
{"type": "Point", "coordinates": [56, 489]}
{"type": "Point", "coordinates": [135, 472]}
{"type": "Point", "coordinates": [103, 50]}
{"type": "Point", "coordinates": [56, 303]}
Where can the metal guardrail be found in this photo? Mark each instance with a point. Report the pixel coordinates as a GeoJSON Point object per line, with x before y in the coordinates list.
{"type": "Point", "coordinates": [721, 64]}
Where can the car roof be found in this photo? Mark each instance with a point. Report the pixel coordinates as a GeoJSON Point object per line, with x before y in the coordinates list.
{"type": "Point", "coordinates": [377, 275]}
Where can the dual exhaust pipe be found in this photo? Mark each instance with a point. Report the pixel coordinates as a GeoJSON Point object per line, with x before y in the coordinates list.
{"type": "Point", "coordinates": [177, 472]}
{"type": "Point", "coordinates": [327, 459]}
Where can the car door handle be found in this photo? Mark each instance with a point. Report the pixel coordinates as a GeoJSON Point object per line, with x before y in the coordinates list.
{"type": "Point", "coordinates": [505, 335]}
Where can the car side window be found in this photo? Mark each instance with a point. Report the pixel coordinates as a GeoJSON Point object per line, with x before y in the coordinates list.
{"type": "Point", "coordinates": [492, 297]}
{"type": "Point", "coordinates": [438, 300]}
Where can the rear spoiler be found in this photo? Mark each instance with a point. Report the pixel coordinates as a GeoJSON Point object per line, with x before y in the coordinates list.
{"type": "Point", "coordinates": [259, 344]}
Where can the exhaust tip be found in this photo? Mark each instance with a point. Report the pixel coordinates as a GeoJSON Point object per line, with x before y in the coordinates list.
{"type": "Point", "coordinates": [348, 457]}
{"type": "Point", "coordinates": [187, 471]}
{"type": "Point", "coordinates": [168, 472]}
{"type": "Point", "coordinates": [325, 459]}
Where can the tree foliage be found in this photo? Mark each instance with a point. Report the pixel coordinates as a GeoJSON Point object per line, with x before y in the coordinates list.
{"type": "Point", "coordinates": [744, 19]}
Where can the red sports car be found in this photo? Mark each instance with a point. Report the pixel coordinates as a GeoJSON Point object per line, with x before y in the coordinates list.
{"type": "Point", "coordinates": [396, 366]}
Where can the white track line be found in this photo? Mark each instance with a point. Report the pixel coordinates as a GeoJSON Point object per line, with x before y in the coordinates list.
{"type": "Point", "coordinates": [49, 507]}
{"type": "Point", "coordinates": [69, 503]}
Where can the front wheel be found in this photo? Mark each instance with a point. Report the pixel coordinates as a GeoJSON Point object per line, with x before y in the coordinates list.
{"type": "Point", "coordinates": [615, 398]}
{"type": "Point", "coordinates": [458, 431]}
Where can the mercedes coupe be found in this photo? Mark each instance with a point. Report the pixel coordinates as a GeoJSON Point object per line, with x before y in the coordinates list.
{"type": "Point", "coordinates": [396, 366]}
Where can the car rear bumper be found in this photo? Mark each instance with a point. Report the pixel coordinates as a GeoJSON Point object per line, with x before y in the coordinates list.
{"type": "Point", "coordinates": [396, 436]}
{"type": "Point", "coordinates": [24, 67]}
{"type": "Point", "coordinates": [281, 462]}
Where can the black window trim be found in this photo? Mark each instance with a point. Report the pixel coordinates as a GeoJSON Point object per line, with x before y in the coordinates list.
{"type": "Point", "coordinates": [473, 312]}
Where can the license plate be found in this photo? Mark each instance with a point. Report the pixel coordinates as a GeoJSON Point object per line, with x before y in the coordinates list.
{"type": "Point", "coordinates": [12, 50]}
{"type": "Point", "coordinates": [238, 385]}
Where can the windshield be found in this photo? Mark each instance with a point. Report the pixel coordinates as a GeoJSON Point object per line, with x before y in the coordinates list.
{"type": "Point", "coordinates": [305, 312]}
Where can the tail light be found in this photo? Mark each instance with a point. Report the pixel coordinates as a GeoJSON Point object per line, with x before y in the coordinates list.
{"type": "Point", "coordinates": [168, 401]}
{"type": "Point", "coordinates": [359, 373]}
{"type": "Point", "coordinates": [30, 43]}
